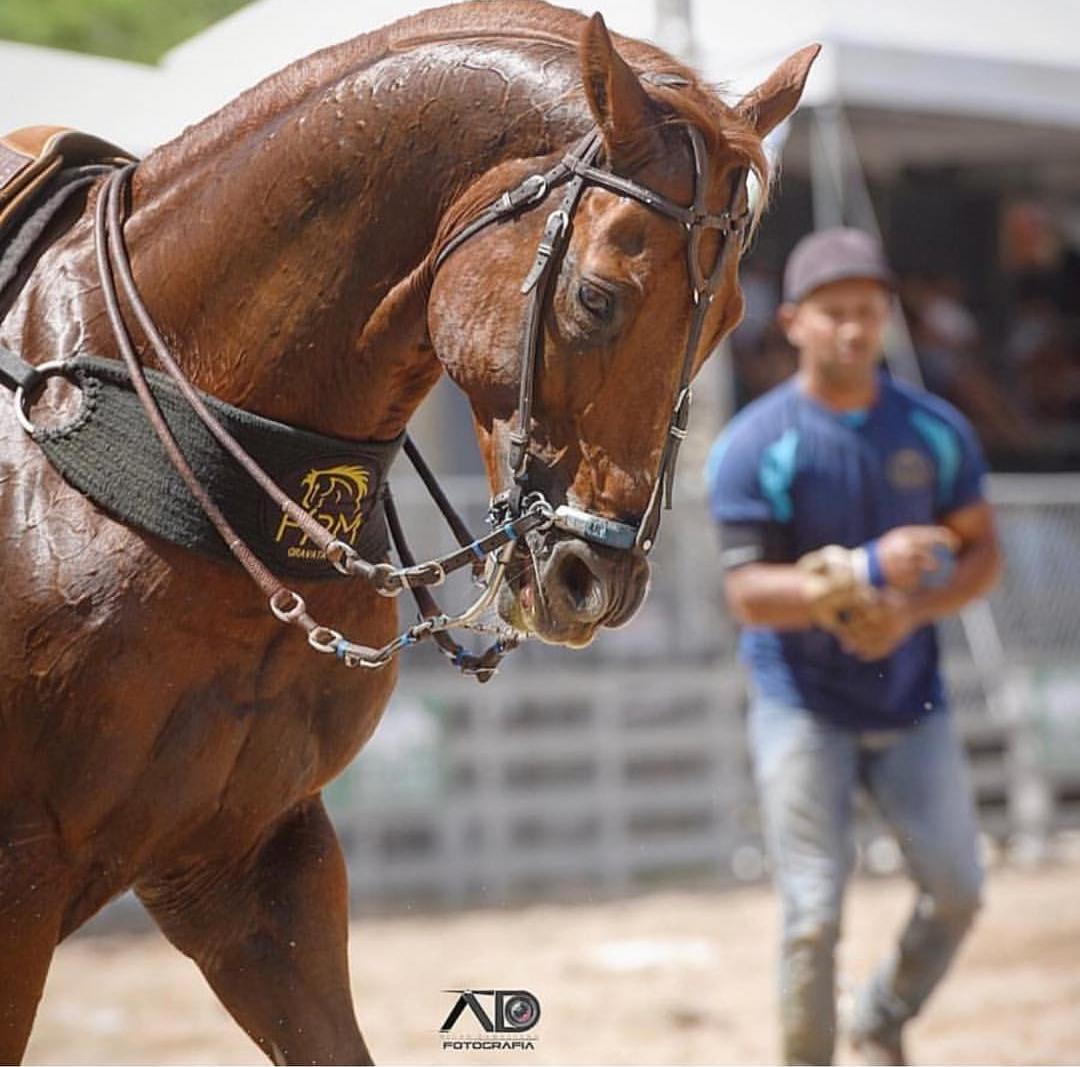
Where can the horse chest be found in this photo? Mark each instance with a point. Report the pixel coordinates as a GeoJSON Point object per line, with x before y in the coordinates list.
{"type": "Point", "coordinates": [165, 698]}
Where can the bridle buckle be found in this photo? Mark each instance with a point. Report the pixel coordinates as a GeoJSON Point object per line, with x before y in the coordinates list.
{"type": "Point", "coordinates": [558, 222]}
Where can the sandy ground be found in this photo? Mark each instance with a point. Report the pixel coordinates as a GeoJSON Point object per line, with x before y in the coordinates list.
{"type": "Point", "coordinates": [669, 978]}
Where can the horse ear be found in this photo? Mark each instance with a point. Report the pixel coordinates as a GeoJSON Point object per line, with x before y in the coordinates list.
{"type": "Point", "coordinates": [776, 97]}
{"type": "Point", "coordinates": [616, 98]}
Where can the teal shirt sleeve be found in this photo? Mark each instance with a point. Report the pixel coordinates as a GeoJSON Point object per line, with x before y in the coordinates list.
{"type": "Point", "coordinates": [750, 476]}
{"type": "Point", "coordinates": [959, 462]}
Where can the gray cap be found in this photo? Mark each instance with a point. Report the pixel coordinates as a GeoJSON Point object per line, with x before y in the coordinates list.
{"type": "Point", "coordinates": [832, 256]}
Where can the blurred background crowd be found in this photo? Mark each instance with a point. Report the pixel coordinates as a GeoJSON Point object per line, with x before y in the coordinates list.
{"type": "Point", "coordinates": [993, 309]}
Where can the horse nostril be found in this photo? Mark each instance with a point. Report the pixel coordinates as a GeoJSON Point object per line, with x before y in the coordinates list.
{"type": "Point", "coordinates": [581, 586]}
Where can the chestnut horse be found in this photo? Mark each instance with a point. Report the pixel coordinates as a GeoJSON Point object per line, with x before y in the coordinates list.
{"type": "Point", "coordinates": [160, 729]}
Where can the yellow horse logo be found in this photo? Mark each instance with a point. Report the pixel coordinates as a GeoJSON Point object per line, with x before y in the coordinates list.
{"type": "Point", "coordinates": [333, 496]}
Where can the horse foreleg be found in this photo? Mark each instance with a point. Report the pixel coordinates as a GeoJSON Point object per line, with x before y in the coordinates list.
{"type": "Point", "coordinates": [270, 934]}
{"type": "Point", "coordinates": [33, 898]}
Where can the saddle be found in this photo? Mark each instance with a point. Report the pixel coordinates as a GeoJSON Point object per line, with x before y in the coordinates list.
{"type": "Point", "coordinates": [32, 156]}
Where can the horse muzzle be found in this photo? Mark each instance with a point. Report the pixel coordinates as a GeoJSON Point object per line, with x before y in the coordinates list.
{"type": "Point", "coordinates": [564, 589]}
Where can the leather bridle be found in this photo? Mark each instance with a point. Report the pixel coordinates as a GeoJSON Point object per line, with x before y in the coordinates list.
{"type": "Point", "coordinates": [578, 169]}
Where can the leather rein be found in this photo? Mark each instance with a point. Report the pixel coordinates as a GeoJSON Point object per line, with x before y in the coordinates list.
{"type": "Point", "coordinates": [514, 513]}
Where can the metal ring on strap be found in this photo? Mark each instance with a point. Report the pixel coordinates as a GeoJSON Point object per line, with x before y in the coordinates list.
{"type": "Point", "coordinates": [25, 395]}
{"type": "Point", "coordinates": [323, 639]}
{"type": "Point", "coordinates": [287, 605]}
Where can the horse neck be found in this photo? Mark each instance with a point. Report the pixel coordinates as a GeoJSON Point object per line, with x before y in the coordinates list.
{"type": "Point", "coordinates": [280, 255]}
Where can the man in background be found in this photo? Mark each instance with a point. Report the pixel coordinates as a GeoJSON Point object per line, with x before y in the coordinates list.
{"type": "Point", "coordinates": [852, 517]}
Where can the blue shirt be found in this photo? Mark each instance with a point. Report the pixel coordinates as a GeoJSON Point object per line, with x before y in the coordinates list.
{"type": "Point", "coordinates": [814, 477]}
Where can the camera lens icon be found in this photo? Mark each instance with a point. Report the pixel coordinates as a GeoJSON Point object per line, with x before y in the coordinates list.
{"type": "Point", "coordinates": [522, 1010]}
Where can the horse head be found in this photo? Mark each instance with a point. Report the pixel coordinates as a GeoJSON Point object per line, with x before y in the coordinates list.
{"type": "Point", "coordinates": [640, 293]}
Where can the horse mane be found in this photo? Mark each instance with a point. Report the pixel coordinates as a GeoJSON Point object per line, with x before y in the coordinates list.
{"type": "Point", "coordinates": [682, 97]}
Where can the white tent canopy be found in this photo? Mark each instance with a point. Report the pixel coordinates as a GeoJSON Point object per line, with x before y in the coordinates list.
{"type": "Point", "coordinates": [978, 57]}
{"type": "Point", "coordinates": [963, 80]}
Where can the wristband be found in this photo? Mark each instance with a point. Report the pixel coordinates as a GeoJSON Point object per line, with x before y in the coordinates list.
{"type": "Point", "coordinates": [874, 575]}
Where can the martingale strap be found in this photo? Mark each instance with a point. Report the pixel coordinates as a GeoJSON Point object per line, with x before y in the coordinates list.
{"type": "Point", "coordinates": [287, 605]}
{"type": "Point", "coordinates": [339, 482]}
{"type": "Point", "coordinates": [24, 243]}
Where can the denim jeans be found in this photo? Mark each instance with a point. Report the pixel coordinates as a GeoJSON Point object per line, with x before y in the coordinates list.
{"type": "Point", "coordinates": [808, 772]}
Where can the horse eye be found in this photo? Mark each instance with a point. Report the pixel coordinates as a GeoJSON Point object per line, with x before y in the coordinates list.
{"type": "Point", "coordinates": [595, 301]}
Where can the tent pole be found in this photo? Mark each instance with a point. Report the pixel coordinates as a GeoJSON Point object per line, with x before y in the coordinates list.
{"type": "Point", "coordinates": [827, 168]}
{"type": "Point", "coordinates": [674, 29]}
{"type": "Point", "coordinates": [836, 163]}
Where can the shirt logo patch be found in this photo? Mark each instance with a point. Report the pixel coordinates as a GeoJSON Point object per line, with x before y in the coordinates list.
{"type": "Point", "coordinates": [909, 469]}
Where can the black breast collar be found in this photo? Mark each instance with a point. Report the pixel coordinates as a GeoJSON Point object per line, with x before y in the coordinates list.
{"type": "Point", "coordinates": [109, 451]}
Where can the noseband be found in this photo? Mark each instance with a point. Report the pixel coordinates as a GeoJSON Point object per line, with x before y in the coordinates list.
{"type": "Point", "coordinates": [578, 169]}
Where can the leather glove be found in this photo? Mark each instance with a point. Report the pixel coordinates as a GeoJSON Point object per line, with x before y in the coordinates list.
{"type": "Point", "coordinates": [834, 590]}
